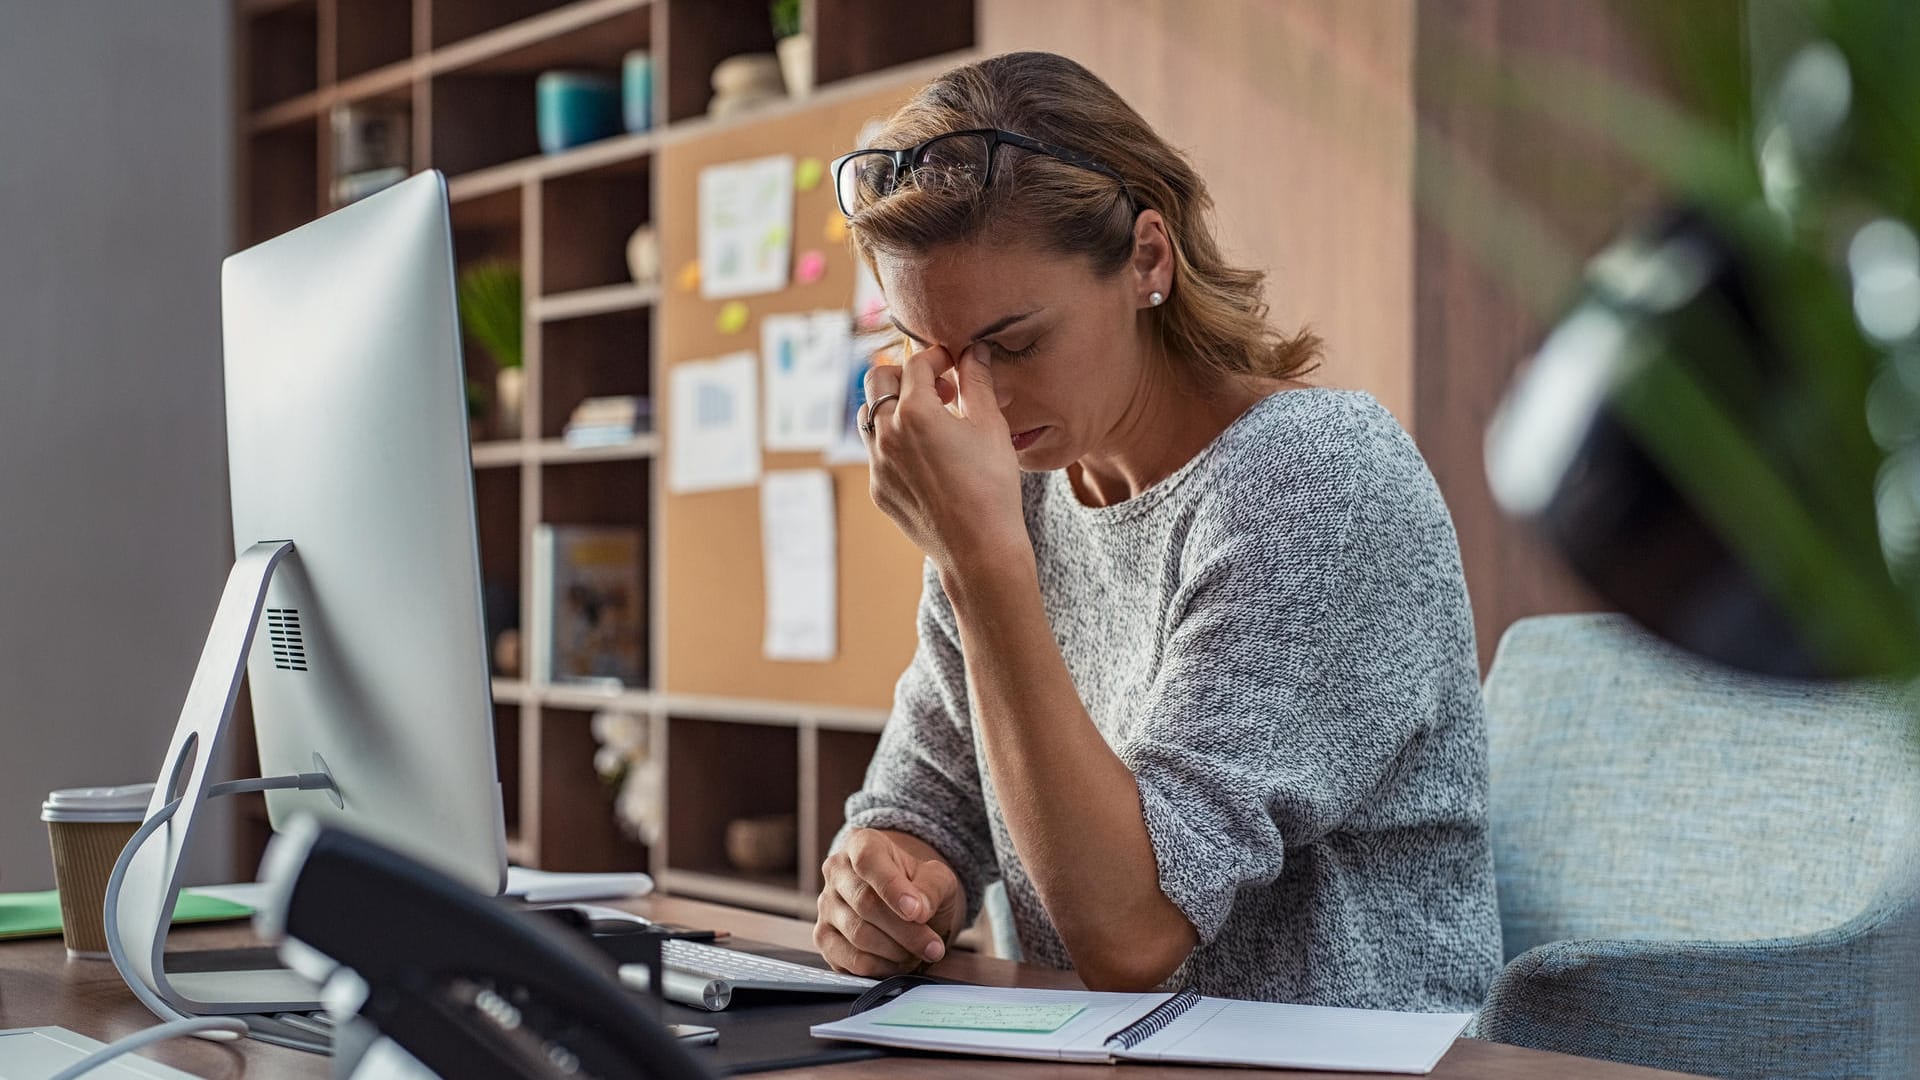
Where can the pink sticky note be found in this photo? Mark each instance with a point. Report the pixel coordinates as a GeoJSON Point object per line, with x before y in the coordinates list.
{"type": "Point", "coordinates": [811, 267]}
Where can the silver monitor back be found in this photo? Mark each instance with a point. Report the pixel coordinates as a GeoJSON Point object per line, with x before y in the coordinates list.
{"type": "Point", "coordinates": [347, 434]}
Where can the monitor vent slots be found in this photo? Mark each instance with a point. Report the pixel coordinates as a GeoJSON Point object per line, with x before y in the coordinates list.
{"type": "Point", "coordinates": [283, 629]}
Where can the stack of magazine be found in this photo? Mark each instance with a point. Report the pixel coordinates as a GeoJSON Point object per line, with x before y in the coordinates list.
{"type": "Point", "coordinates": [608, 421]}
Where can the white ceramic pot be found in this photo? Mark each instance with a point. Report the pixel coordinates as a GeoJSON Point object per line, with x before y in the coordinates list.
{"type": "Point", "coordinates": [796, 63]}
{"type": "Point", "coordinates": [509, 393]}
{"type": "Point", "coordinates": [643, 256]}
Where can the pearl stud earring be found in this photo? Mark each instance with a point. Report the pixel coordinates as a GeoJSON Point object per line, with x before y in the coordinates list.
{"type": "Point", "coordinates": [1156, 299]}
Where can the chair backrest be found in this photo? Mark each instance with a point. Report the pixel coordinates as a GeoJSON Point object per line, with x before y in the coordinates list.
{"type": "Point", "coordinates": [1638, 793]}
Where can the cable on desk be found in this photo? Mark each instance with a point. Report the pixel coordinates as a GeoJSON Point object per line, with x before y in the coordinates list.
{"type": "Point", "coordinates": [172, 1029]}
{"type": "Point", "coordinates": [215, 1028]}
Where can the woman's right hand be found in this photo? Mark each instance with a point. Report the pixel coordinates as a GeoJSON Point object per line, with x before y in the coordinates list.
{"type": "Point", "coordinates": [888, 904]}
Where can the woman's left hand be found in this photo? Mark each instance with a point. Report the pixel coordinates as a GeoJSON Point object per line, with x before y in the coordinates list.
{"type": "Point", "coordinates": [943, 466]}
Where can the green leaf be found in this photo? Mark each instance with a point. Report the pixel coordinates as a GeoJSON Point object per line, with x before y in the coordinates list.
{"type": "Point", "coordinates": [786, 18]}
{"type": "Point", "coordinates": [1844, 603]}
{"type": "Point", "coordinates": [1690, 154]}
{"type": "Point", "coordinates": [490, 309]}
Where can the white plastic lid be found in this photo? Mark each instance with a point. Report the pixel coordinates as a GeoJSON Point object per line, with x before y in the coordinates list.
{"type": "Point", "coordinates": [128, 802]}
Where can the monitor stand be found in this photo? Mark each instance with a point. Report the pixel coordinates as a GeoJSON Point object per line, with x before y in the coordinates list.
{"type": "Point", "coordinates": [146, 880]}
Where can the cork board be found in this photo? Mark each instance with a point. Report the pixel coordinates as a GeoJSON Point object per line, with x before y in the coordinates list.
{"type": "Point", "coordinates": [713, 581]}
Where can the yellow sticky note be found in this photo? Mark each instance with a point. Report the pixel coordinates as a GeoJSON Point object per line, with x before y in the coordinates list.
{"type": "Point", "coordinates": [807, 174]}
{"type": "Point", "coordinates": [836, 231]}
{"type": "Point", "coordinates": [733, 317]}
{"type": "Point", "coordinates": [689, 276]}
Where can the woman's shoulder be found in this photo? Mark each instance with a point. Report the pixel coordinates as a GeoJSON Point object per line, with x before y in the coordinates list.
{"type": "Point", "coordinates": [1290, 468]}
{"type": "Point", "coordinates": [1307, 454]}
{"type": "Point", "coordinates": [1306, 420]}
{"type": "Point", "coordinates": [1321, 485]}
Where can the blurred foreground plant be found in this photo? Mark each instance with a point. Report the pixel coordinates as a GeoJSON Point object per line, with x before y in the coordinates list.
{"type": "Point", "coordinates": [1722, 431]}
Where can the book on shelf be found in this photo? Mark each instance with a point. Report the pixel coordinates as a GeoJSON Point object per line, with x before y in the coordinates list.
{"type": "Point", "coordinates": [592, 435]}
{"type": "Point", "coordinates": [588, 612]}
{"type": "Point", "coordinates": [608, 421]}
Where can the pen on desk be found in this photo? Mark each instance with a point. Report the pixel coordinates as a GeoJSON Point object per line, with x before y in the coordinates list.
{"type": "Point", "coordinates": [687, 933]}
{"type": "Point", "coordinates": [693, 1034]}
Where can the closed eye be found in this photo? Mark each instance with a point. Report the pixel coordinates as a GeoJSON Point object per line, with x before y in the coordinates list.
{"type": "Point", "coordinates": [1001, 352]}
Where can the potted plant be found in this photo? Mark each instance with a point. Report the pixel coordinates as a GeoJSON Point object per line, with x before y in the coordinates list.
{"type": "Point", "coordinates": [795, 47]}
{"type": "Point", "coordinates": [490, 311]}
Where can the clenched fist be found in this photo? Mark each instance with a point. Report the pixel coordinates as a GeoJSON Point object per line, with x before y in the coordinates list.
{"type": "Point", "coordinates": [888, 904]}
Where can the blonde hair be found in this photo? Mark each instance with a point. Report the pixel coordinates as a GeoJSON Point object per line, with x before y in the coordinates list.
{"type": "Point", "coordinates": [1214, 315]}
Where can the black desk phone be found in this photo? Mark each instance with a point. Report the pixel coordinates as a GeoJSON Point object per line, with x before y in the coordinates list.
{"type": "Point", "coordinates": [465, 984]}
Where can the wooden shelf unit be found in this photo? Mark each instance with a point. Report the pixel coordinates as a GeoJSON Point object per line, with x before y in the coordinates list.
{"type": "Point", "coordinates": [466, 70]}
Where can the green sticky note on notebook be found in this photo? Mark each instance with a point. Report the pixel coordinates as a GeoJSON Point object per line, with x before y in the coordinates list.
{"type": "Point", "coordinates": [1025, 1019]}
{"type": "Point", "coordinates": [37, 914]}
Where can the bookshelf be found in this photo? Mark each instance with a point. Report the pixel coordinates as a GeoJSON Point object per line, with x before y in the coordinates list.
{"type": "Point", "coordinates": [465, 69]}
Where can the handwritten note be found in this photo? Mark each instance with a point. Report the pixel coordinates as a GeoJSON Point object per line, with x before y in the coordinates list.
{"type": "Point", "coordinates": [746, 227]}
{"type": "Point", "coordinates": [984, 1016]}
{"type": "Point", "coordinates": [797, 542]}
{"type": "Point", "coordinates": [806, 363]}
{"type": "Point", "coordinates": [713, 430]}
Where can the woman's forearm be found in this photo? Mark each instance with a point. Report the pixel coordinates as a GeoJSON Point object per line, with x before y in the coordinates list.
{"type": "Point", "coordinates": [1071, 804]}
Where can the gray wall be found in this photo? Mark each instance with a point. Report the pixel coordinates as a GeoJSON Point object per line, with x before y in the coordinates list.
{"type": "Point", "coordinates": [115, 187]}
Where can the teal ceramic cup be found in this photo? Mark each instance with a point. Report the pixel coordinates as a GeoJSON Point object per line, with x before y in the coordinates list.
{"type": "Point", "coordinates": [636, 90]}
{"type": "Point", "coordinates": [575, 107]}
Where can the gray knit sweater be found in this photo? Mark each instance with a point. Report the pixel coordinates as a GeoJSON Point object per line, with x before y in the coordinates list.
{"type": "Point", "coordinates": [1276, 641]}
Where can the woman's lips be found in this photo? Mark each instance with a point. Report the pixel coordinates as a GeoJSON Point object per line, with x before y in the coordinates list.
{"type": "Point", "coordinates": [1026, 438]}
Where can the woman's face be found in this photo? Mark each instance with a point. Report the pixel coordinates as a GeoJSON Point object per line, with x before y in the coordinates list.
{"type": "Point", "coordinates": [1067, 349]}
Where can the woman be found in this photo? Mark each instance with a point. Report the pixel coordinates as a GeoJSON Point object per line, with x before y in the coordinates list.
{"type": "Point", "coordinates": [1196, 673]}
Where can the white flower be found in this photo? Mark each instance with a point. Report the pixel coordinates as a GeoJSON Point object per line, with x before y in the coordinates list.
{"type": "Point", "coordinates": [638, 806]}
{"type": "Point", "coordinates": [621, 730]}
{"type": "Point", "coordinates": [624, 740]}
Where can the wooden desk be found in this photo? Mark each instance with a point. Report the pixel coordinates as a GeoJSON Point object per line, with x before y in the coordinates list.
{"type": "Point", "coordinates": [39, 985]}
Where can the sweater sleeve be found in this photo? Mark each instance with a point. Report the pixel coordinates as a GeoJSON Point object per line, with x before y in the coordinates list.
{"type": "Point", "coordinates": [924, 779]}
{"type": "Point", "coordinates": [1297, 674]}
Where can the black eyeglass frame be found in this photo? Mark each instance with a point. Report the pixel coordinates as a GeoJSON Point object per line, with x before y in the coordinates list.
{"type": "Point", "coordinates": [905, 161]}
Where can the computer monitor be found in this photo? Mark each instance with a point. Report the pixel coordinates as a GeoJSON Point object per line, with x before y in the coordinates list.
{"type": "Point", "coordinates": [353, 518]}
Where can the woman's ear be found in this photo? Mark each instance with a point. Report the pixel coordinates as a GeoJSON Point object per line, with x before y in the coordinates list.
{"type": "Point", "coordinates": [1152, 258]}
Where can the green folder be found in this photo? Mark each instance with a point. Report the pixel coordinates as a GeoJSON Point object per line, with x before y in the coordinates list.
{"type": "Point", "coordinates": [37, 914]}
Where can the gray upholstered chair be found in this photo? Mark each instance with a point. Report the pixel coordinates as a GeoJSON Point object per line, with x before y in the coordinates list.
{"type": "Point", "coordinates": [1698, 870]}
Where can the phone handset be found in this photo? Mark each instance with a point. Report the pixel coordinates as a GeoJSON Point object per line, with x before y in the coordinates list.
{"type": "Point", "coordinates": [463, 983]}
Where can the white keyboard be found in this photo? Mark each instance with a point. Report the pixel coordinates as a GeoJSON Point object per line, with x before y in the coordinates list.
{"type": "Point", "coordinates": [705, 976]}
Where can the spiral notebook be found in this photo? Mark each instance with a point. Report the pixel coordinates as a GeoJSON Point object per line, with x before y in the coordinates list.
{"type": "Point", "coordinates": [1182, 1028]}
